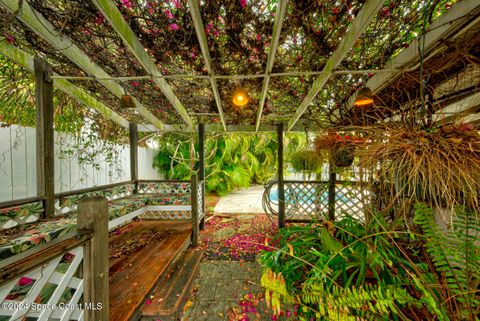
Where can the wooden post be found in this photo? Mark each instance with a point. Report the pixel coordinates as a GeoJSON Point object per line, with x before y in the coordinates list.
{"type": "Point", "coordinates": [281, 189]}
{"type": "Point", "coordinates": [194, 204]}
{"type": "Point", "coordinates": [133, 135]}
{"type": "Point", "coordinates": [44, 139]}
{"type": "Point", "coordinates": [93, 215]}
{"type": "Point", "coordinates": [201, 168]}
{"type": "Point", "coordinates": [331, 192]}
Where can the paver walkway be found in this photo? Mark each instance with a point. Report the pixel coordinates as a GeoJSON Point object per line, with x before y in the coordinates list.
{"type": "Point", "coordinates": [244, 201]}
{"type": "Point", "coordinates": [228, 291]}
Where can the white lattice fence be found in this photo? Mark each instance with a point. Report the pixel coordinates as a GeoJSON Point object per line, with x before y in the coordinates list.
{"type": "Point", "coordinates": [51, 291]}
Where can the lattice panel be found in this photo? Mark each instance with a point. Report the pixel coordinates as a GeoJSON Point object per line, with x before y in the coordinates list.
{"type": "Point", "coordinates": [68, 204]}
{"type": "Point", "coordinates": [166, 215]}
{"type": "Point", "coordinates": [200, 198]}
{"type": "Point", "coordinates": [163, 188]}
{"type": "Point", "coordinates": [306, 200]}
{"type": "Point", "coordinates": [350, 200]}
{"type": "Point", "coordinates": [52, 291]}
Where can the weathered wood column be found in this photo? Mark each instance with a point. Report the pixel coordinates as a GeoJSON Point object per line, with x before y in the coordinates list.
{"type": "Point", "coordinates": [331, 191]}
{"type": "Point", "coordinates": [93, 216]}
{"type": "Point", "coordinates": [281, 189]}
{"type": "Point", "coordinates": [201, 168]}
{"type": "Point", "coordinates": [195, 214]}
{"type": "Point", "coordinates": [44, 139]}
{"type": "Point", "coordinates": [133, 135]}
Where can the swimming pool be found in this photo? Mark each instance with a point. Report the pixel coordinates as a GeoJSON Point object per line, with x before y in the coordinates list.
{"type": "Point", "coordinates": [308, 196]}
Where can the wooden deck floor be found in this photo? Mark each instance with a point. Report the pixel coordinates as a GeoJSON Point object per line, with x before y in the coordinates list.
{"type": "Point", "coordinates": [133, 276]}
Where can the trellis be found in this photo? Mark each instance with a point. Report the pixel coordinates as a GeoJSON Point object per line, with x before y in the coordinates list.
{"type": "Point", "coordinates": [34, 20]}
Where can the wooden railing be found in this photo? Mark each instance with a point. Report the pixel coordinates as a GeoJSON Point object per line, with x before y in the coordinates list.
{"type": "Point", "coordinates": [65, 279]}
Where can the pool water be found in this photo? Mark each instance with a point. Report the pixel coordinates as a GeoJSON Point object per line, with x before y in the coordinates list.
{"type": "Point", "coordinates": [308, 197]}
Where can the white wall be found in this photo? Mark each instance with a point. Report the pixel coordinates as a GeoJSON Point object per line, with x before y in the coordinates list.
{"type": "Point", "coordinates": [18, 162]}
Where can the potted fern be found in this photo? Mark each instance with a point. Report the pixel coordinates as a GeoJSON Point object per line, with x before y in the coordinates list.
{"type": "Point", "coordinates": [306, 162]}
{"type": "Point", "coordinates": [340, 147]}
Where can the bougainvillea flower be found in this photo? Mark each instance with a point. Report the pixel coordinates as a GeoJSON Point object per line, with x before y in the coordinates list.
{"type": "Point", "coordinates": [24, 281]}
{"type": "Point", "coordinates": [127, 4]}
{"type": "Point", "coordinates": [174, 26]}
{"type": "Point", "coordinates": [243, 3]}
{"type": "Point", "coordinates": [169, 14]}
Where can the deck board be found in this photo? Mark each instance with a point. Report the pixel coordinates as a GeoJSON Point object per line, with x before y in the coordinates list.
{"type": "Point", "coordinates": [132, 277]}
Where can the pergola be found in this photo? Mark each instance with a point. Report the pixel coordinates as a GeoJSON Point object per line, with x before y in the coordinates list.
{"type": "Point", "coordinates": [373, 52]}
{"type": "Point", "coordinates": [147, 67]}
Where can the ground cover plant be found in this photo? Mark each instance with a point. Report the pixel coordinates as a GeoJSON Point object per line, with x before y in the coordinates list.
{"type": "Point", "coordinates": [377, 271]}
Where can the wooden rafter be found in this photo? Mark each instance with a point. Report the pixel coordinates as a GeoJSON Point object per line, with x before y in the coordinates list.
{"type": "Point", "coordinates": [447, 26]}
{"type": "Point", "coordinates": [114, 16]}
{"type": "Point", "coordinates": [218, 128]}
{"type": "Point", "coordinates": [202, 39]}
{"type": "Point", "coordinates": [361, 21]}
{"type": "Point", "coordinates": [35, 21]}
{"type": "Point", "coordinates": [25, 60]}
{"type": "Point", "coordinates": [277, 28]}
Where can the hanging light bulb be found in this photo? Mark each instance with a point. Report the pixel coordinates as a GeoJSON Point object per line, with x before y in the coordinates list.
{"type": "Point", "coordinates": [364, 97]}
{"type": "Point", "coordinates": [240, 97]}
{"type": "Point", "coordinates": [127, 102]}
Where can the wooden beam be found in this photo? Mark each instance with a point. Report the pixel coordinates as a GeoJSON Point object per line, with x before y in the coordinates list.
{"type": "Point", "coordinates": [35, 21]}
{"type": "Point", "coordinates": [195, 209]}
{"type": "Point", "coordinates": [218, 128]}
{"type": "Point", "coordinates": [457, 20]}
{"type": "Point", "coordinates": [115, 17]}
{"type": "Point", "coordinates": [277, 28]}
{"type": "Point", "coordinates": [202, 39]}
{"type": "Point", "coordinates": [361, 21]}
{"type": "Point", "coordinates": [25, 60]}
{"type": "Point", "coordinates": [457, 108]}
{"type": "Point", "coordinates": [281, 187]}
{"type": "Point", "coordinates": [45, 140]}
{"type": "Point", "coordinates": [93, 217]}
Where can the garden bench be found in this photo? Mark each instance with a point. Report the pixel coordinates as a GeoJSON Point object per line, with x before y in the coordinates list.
{"type": "Point", "coordinates": [23, 227]}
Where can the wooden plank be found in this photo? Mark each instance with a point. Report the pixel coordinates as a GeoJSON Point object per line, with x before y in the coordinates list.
{"type": "Point", "coordinates": [114, 16]}
{"type": "Point", "coordinates": [202, 39]}
{"type": "Point", "coordinates": [361, 21]}
{"type": "Point", "coordinates": [173, 288]}
{"type": "Point", "coordinates": [133, 137]}
{"type": "Point", "coordinates": [131, 284]}
{"type": "Point", "coordinates": [218, 128]}
{"type": "Point", "coordinates": [47, 31]}
{"type": "Point", "coordinates": [93, 216]}
{"type": "Point", "coordinates": [45, 140]}
{"type": "Point", "coordinates": [281, 187]}
{"type": "Point", "coordinates": [277, 28]}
